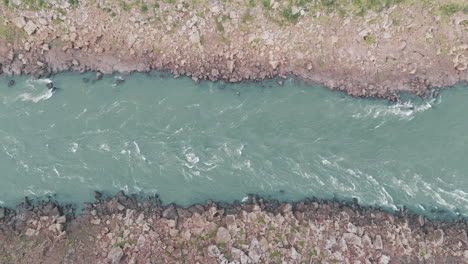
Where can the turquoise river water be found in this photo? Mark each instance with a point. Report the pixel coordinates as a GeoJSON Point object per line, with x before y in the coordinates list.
{"type": "Point", "coordinates": [189, 143]}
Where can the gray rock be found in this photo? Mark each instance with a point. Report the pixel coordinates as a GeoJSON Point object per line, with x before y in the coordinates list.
{"type": "Point", "coordinates": [11, 83]}
{"type": "Point", "coordinates": [30, 27]}
{"type": "Point", "coordinates": [19, 22]}
{"type": "Point", "coordinates": [294, 254]}
{"type": "Point", "coordinates": [230, 66]}
{"type": "Point", "coordinates": [62, 220]}
{"type": "Point", "coordinates": [98, 76]}
{"type": "Point", "coordinates": [255, 254]}
{"type": "Point", "coordinates": [2, 213]}
{"type": "Point", "coordinates": [352, 228]}
{"type": "Point", "coordinates": [384, 259]}
{"type": "Point", "coordinates": [421, 220]}
{"type": "Point", "coordinates": [222, 236]}
{"type": "Point", "coordinates": [170, 213]}
{"type": "Point", "coordinates": [115, 255]}
{"type": "Point", "coordinates": [352, 239]}
{"type": "Point", "coordinates": [119, 206]}
{"type": "Point", "coordinates": [378, 242]}
{"type": "Point", "coordinates": [439, 237]}
{"type": "Point", "coordinates": [240, 255]}
{"type": "Point", "coordinates": [213, 251]}
{"type": "Point", "coordinates": [30, 232]}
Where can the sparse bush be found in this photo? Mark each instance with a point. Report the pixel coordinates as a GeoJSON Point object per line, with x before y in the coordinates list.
{"type": "Point", "coordinates": [450, 8]}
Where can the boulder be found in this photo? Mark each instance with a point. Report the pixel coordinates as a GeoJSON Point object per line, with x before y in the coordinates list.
{"type": "Point", "coordinates": [439, 237]}
{"type": "Point", "coordinates": [19, 22]}
{"type": "Point", "coordinates": [222, 236]}
{"type": "Point", "coordinates": [30, 27]}
{"type": "Point", "coordinates": [115, 255]}
{"type": "Point", "coordinates": [11, 83]}
{"type": "Point", "coordinates": [98, 76]}
{"type": "Point", "coordinates": [213, 251]}
{"type": "Point", "coordinates": [378, 242]}
{"type": "Point", "coordinates": [384, 259]}
{"type": "Point", "coordinates": [170, 213]}
{"type": "Point", "coordinates": [352, 239]}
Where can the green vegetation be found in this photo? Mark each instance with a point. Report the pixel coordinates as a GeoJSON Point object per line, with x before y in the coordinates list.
{"type": "Point", "coordinates": [288, 14]}
{"type": "Point", "coordinates": [219, 24]}
{"type": "Point", "coordinates": [451, 8]}
{"type": "Point", "coordinates": [120, 244]}
{"type": "Point", "coordinates": [73, 2]}
{"type": "Point", "coordinates": [120, 234]}
{"type": "Point", "coordinates": [276, 253]}
{"type": "Point", "coordinates": [144, 8]}
{"type": "Point", "coordinates": [222, 244]}
{"type": "Point", "coordinates": [247, 17]}
{"type": "Point", "coordinates": [10, 33]}
{"type": "Point", "coordinates": [369, 39]}
{"type": "Point", "coordinates": [6, 2]}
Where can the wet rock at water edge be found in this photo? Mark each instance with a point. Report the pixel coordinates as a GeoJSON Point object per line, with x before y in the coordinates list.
{"type": "Point", "coordinates": [85, 80]}
{"type": "Point", "coordinates": [11, 83]}
{"type": "Point", "coordinates": [119, 81]}
{"type": "Point", "coordinates": [2, 213]}
{"type": "Point", "coordinates": [50, 85]}
{"type": "Point", "coordinates": [97, 195]}
{"type": "Point", "coordinates": [98, 76]}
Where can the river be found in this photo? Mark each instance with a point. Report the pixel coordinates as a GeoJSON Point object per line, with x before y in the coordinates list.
{"type": "Point", "coordinates": [190, 143]}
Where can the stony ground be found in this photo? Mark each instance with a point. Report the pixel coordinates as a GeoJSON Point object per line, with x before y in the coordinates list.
{"type": "Point", "coordinates": [123, 229]}
{"type": "Point", "coordinates": [364, 47]}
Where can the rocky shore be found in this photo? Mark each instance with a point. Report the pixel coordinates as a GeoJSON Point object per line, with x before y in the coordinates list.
{"type": "Point", "coordinates": [373, 48]}
{"type": "Point", "coordinates": [125, 229]}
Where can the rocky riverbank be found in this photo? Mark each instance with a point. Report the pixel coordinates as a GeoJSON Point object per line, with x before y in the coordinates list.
{"type": "Point", "coordinates": [124, 229]}
{"type": "Point", "coordinates": [366, 48]}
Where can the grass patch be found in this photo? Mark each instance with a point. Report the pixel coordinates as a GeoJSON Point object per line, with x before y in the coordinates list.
{"type": "Point", "coordinates": [9, 33]}
{"type": "Point", "coordinates": [222, 244]}
{"type": "Point", "coordinates": [120, 244]}
{"type": "Point", "coordinates": [450, 8]}
{"type": "Point", "coordinates": [369, 39]}
{"type": "Point", "coordinates": [247, 17]}
{"type": "Point", "coordinates": [219, 24]}
{"type": "Point", "coordinates": [73, 2]}
{"type": "Point", "coordinates": [288, 14]}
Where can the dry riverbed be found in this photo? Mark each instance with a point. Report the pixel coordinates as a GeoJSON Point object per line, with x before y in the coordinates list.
{"type": "Point", "coordinates": [124, 229]}
{"type": "Point", "coordinates": [366, 48]}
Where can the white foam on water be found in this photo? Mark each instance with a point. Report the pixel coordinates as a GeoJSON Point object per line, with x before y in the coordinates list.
{"type": "Point", "coordinates": [456, 194]}
{"type": "Point", "coordinates": [435, 195]}
{"type": "Point", "coordinates": [2, 202]}
{"type": "Point", "coordinates": [82, 113]}
{"type": "Point", "coordinates": [24, 165]}
{"type": "Point", "coordinates": [192, 158]}
{"type": "Point", "coordinates": [137, 150]}
{"type": "Point", "coordinates": [74, 147]}
{"type": "Point", "coordinates": [245, 199]}
{"type": "Point", "coordinates": [105, 147]}
{"type": "Point", "coordinates": [32, 98]}
{"type": "Point", "coordinates": [44, 80]}
{"type": "Point", "coordinates": [405, 110]}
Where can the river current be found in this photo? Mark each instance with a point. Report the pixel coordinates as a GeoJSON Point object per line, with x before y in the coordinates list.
{"type": "Point", "coordinates": [190, 143]}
